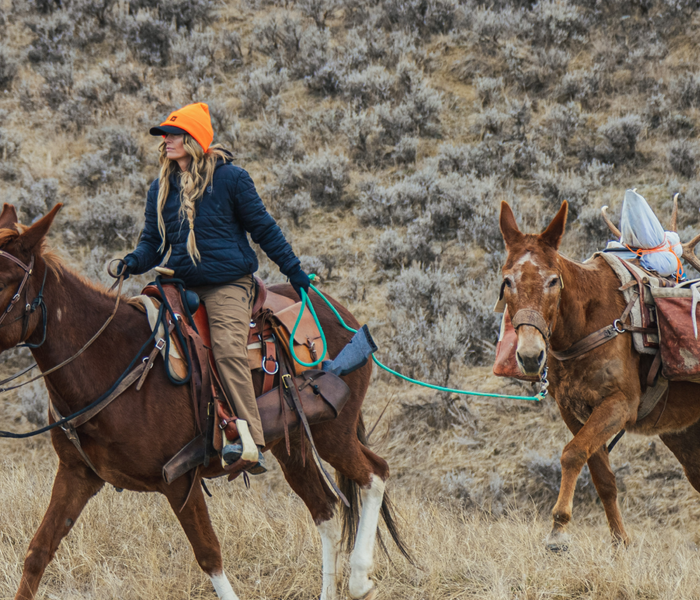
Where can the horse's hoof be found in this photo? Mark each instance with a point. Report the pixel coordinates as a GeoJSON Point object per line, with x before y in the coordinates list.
{"type": "Point", "coordinates": [372, 594]}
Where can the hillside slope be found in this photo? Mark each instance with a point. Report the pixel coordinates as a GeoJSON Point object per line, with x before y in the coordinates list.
{"type": "Point", "coordinates": [383, 137]}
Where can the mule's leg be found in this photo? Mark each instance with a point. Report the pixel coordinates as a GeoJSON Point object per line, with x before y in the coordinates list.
{"type": "Point", "coordinates": [605, 421]}
{"type": "Point", "coordinates": [685, 445]}
{"type": "Point", "coordinates": [194, 518]}
{"type": "Point", "coordinates": [604, 482]}
{"type": "Point", "coordinates": [606, 486]}
{"type": "Point", "coordinates": [72, 488]}
{"type": "Point", "coordinates": [307, 482]}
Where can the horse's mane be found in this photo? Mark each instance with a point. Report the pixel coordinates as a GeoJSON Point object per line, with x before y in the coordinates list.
{"type": "Point", "coordinates": [56, 265]}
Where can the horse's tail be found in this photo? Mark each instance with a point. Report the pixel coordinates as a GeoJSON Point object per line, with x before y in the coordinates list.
{"type": "Point", "coordinates": [351, 514]}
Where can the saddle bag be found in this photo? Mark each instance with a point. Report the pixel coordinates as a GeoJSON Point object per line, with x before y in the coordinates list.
{"type": "Point", "coordinates": [307, 342]}
{"type": "Point", "coordinates": [678, 320]}
{"type": "Point", "coordinates": [322, 394]}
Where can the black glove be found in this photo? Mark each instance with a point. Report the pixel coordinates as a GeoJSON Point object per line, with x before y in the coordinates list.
{"type": "Point", "coordinates": [300, 281]}
{"type": "Point", "coordinates": [130, 265]}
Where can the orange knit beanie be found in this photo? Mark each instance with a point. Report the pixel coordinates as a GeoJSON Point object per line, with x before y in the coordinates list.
{"type": "Point", "coordinates": [193, 119]}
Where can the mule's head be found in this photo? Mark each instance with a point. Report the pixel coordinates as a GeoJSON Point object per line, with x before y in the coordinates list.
{"type": "Point", "coordinates": [22, 244]}
{"type": "Point", "coordinates": [532, 285]}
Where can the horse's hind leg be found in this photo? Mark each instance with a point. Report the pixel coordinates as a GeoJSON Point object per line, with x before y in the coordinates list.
{"type": "Point", "coordinates": [194, 518]}
{"type": "Point", "coordinates": [72, 488]}
{"type": "Point", "coordinates": [357, 463]}
{"type": "Point", "coordinates": [307, 482]}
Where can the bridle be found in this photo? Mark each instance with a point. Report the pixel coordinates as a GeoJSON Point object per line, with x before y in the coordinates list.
{"type": "Point", "coordinates": [534, 318]}
{"type": "Point", "coordinates": [29, 309]}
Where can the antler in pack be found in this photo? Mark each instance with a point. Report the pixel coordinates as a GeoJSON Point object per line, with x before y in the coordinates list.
{"type": "Point", "coordinates": [609, 223]}
{"type": "Point", "coordinates": [688, 248]}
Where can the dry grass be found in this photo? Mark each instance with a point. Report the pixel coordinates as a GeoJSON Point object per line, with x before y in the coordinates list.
{"type": "Point", "coordinates": [487, 544]}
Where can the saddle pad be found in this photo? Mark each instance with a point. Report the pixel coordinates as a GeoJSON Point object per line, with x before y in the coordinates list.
{"type": "Point", "coordinates": [176, 363]}
{"type": "Point", "coordinates": [643, 313]}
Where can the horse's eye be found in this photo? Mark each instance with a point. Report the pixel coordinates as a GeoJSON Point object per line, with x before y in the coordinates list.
{"type": "Point", "coordinates": [554, 282]}
{"type": "Point", "coordinates": [507, 283]}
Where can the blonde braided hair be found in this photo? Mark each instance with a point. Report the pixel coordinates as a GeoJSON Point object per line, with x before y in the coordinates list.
{"type": "Point", "coordinates": [193, 182]}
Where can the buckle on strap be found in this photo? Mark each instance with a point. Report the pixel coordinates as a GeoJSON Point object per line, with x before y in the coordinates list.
{"type": "Point", "coordinates": [618, 326]}
{"type": "Point", "coordinates": [160, 344]}
{"type": "Point", "coordinates": [286, 379]}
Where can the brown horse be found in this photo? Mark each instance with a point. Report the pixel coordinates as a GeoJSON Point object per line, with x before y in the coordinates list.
{"type": "Point", "coordinates": [131, 439]}
{"type": "Point", "coordinates": [598, 393]}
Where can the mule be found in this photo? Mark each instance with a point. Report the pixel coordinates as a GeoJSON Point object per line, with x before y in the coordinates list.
{"type": "Point", "coordinates": [598, 393]}
{"type": "Point", "coordinates": [130, 440]}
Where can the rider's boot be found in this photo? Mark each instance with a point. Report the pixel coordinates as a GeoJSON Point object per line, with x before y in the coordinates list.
{"type": "Point", "coordinates": [245, 449]}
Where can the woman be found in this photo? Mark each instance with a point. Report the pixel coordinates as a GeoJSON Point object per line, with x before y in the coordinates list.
{"type": "Point", "coordinates": [197, 214]}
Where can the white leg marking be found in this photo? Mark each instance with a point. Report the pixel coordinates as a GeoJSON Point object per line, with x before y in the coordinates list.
{"type": "Point", "coordinates": [330, 543]}
{"type": "Point", "coordinates": [222, 586]}
{"type": "Point", "coordinates": [362, 558]}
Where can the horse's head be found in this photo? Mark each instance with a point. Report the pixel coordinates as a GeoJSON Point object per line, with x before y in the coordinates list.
{"type": "Point", "coordinates": [532, 285]}
{"type": "Point", "coordinates": [21, 271]}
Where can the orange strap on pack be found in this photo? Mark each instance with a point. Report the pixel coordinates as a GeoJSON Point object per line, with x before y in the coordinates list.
{"type": "Point", "coordinates": [664, 247]}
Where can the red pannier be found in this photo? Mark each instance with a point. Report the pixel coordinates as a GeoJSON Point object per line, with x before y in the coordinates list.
{"type": "Point", "coordinates": [679, 346]}
{"type": "Point", "coordinates": [505, 364]}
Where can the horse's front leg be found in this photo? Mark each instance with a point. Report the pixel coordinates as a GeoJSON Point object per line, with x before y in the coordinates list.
{"type": "Point", "coordinates": [73, 487]}
{"type": "Point", "coordinates": [605, 421]}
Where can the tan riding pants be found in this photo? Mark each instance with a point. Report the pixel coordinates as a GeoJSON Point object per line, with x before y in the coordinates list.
{"type": "Point", "coordinates": [229, 308]}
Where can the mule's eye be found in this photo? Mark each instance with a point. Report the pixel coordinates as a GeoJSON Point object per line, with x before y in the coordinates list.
{"type": "Point", "coordinates": [507, 282]}
{"type": "Point", "coordinates": [553, 283]}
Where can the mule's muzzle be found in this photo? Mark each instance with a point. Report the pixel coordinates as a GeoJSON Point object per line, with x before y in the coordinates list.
{"type": "Point", "coordinates": [531, 362]}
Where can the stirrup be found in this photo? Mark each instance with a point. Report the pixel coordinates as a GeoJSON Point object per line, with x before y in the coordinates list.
{"type": "Point", "coordinates": [248, 449]}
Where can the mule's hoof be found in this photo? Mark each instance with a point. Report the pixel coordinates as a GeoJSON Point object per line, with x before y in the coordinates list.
{"type": "Point", "coordinates": [558, 542]}
{"type": "Point", "coordinates": [558, 548]}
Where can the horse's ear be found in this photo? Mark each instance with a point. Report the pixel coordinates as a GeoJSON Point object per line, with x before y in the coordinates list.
{"type": "Point", "coordinates": [509, 228]}
{"type": "Point", "coordinates": [555, 230]}
{"type": "Point", "coordinates": [34, 234]}
{"type": "Point", "coordinates": [8, 217]}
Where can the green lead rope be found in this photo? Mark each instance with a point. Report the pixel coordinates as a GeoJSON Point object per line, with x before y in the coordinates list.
{"type": "Point", "coordinates": [306, 303]}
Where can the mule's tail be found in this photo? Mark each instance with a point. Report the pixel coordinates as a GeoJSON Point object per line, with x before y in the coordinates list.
{"type": "Point", "coordinates": [351, 514]}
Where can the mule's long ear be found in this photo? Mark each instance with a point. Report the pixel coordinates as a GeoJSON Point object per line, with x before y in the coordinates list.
{"type": "Point", "coordinates": [8, 217]}
{"type": "Point", "coordinates": [509, 228]}
{"type": "Point", "coordinates": [34, 234]}
{"type": "Point", "coordinates": [555, 230]}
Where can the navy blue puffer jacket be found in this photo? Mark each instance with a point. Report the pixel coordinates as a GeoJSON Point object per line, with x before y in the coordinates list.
{"type": "Point", "coordinates": [229, 208]}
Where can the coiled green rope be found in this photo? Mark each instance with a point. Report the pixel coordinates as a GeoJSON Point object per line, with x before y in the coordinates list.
{"type": "Point", "coordinates": [306, 303]}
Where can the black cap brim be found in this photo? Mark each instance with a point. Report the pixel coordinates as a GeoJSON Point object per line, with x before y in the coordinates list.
{"type": "Point", "coordinates": [166, 129]}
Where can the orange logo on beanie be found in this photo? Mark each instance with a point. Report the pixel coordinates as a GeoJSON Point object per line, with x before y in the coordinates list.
{"type": "Point", "coordinates": [195, 120]}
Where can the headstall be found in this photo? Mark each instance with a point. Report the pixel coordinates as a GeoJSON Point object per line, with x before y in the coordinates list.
{"type": "Point", "coordinates": [29, 308]}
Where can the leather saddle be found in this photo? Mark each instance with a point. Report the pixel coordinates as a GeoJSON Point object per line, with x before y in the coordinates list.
{"type": "Point", "coordinates": [262, 354]}
{"type": "Point", "coordinates": [322, 394]}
